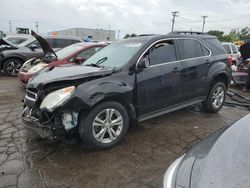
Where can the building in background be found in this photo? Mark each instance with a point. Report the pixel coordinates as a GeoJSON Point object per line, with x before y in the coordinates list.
{"type": "Point", "coordinates": [92, 34]}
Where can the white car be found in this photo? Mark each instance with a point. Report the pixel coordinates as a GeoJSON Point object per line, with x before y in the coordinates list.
{"type": "Point", "coordinates": [232, 50]}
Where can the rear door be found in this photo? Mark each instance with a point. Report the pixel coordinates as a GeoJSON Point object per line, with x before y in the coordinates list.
{"type": "Point", "coordinates": [196, 60]}
{"type": "Point", "coordinates": [158, 84]}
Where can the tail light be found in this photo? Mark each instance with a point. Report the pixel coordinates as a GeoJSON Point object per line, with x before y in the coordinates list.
{"type": "Point", "coordinates": [230, 60]}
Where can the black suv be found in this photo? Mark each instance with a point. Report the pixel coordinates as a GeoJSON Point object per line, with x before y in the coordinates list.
{"type": "Point", "coordinates": [133, 79]}
{"type": "Point", "coordinates": [13, 57]}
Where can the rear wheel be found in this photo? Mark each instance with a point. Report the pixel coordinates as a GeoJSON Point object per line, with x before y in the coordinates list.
{"type": "Point", "coordinates": [216, 98]}
{"type": "Point", "coordinates": [104, 126]}
{"type": "Point", "coordinates": [12, 66]}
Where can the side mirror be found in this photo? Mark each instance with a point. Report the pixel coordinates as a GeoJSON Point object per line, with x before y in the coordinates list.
{"type": "Point", "coordinates": [143, 63]}
{"type": "Point", "coordinates": [33, 46]}
{"type": "Point", "coordinates": [79, 60]}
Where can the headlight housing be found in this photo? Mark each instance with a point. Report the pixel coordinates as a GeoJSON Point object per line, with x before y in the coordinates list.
{"type": "Point", "coordinates": [37, 68]}
{"type": "Point", "coordinates": [57, 98]}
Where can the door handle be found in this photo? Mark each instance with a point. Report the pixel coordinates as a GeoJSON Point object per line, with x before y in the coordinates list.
{"type": "Point", "coordinates": [176, 70]}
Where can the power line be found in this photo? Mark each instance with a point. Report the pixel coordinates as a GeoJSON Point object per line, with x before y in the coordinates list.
{"type": "Point", "coordinates": [173, 20]}
{"type": "Point", "coordinates": [204, 21]}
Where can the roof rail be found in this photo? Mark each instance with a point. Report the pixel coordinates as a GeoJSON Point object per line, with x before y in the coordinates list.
{"type": "Point", "coordinates": [144, 35]}
{"type": "Point", "coordinates": [188, 32]}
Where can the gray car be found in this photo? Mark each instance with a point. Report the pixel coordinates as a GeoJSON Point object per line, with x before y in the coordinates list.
{"type": "Point", "coordinates": [12, 59]}
{"type": "Point", "coordinates": [220, 161]}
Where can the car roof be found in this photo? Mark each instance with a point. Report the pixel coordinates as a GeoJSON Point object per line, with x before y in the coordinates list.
{"type": "Point", "coordinates": [87, 44]}
{"type": "Point", "coordinates": [62, 37]}
{"type": "Point", "coordinates": [229, 43]}
{"type": "Point", "coordinates": [173, 35]}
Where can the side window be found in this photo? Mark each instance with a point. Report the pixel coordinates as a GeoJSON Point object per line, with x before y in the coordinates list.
{"type": "Point", "coordinates": [190, 48]}
{"type": "Point", "coordinates": [36, 43]}
{"type": "Point", "coordinates": [88, 53]}
{"type": "Point", "coordinates": [205, 51]}
{"type": "Point", "coordinates": [162, 52]}
{"type": "Point", "coordinates": [234, 49]}
{"type": "Point", "coordinates": [227, 48]}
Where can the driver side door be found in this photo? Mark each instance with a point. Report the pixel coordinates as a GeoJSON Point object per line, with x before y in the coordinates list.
{"type": "Point", "coordinates": [158, 84]}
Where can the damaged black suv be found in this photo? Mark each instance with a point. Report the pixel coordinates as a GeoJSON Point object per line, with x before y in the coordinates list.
{"type": "Point", "coordinates": [130, 80]}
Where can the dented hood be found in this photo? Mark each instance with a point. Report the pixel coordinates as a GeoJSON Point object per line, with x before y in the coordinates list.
{"type": "Point", "coordinates": [245, 51]}
{"type": "Point", "coordinates": [44, 44]}
{"type": "Point", "coordinates": [66, 73]}
{"type": "Point", "coordinates": [5, 45]}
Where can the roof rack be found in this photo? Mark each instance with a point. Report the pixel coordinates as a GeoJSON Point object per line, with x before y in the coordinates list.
{"type": "Point", "coordinates": [144, 35]}
{"type": "Point", "coordinates": [188, 32]}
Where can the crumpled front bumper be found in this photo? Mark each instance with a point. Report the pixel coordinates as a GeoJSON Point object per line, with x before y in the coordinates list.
{"type": "Point", "coordinates": [32, 123]}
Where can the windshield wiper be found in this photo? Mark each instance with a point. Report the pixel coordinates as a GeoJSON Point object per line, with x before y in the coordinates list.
{"type": "Point", "coordinates": [100, 61]}
{"type": "Point", "coordinates": [94, 65]}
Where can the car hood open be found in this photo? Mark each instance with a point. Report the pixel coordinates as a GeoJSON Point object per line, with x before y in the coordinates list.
{"type": "Point", "coordinates": [66, 73]}
{"type": "Point", "coordinates": [224, 162]}
{"type": "Point", "coordinates": [5, 45]}
{"type": "Point", "coordinates": [44, 44]}
{"type": "Point", "coordinates": [245, 51]}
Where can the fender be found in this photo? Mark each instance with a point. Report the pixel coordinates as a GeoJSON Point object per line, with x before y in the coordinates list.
{"type": "Point", "coordinates": [93, 92]}
{"type": "Point", "coordinates": [218, 68]}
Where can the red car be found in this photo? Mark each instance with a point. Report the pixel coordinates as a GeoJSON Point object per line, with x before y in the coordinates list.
{"type": "Point", "coordinates": [75, 53]}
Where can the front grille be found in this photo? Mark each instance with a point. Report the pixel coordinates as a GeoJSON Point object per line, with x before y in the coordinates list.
{"type": "Point", "coordinates": [31, 95]}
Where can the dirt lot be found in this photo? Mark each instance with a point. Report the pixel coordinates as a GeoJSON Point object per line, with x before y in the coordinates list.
{"type": "Point", "coordinates": [139, 161]}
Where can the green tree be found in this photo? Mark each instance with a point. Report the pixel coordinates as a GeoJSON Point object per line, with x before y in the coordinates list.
{"type": "Point", "coordinates": [217, 33]}
{"type": "Point", "coordinates": [130, 36]}
{"type": "Point", "coordinates": [127, 36]}
{"type": "Point", "coordinates": [133, 35]}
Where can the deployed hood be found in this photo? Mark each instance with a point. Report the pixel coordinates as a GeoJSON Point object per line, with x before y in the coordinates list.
{"type": "Point", "coordinates": [66, 73]}
{"type": "Point", "coordinates": [5, 45]}
{"type": "Point", "coordinates": [224, 162]}
{"type": "Point", "coordinates": [47, 50]}
{"type": "Point", "coordinates": [245, 51]}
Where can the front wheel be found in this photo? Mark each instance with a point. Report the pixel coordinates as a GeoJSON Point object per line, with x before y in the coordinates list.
{"type": "Point", "coordinates": [216, 98]}
{"type": "Point", "coordinates": [104, 126]}
{"type": "Point", "coordinates": [12, 66]}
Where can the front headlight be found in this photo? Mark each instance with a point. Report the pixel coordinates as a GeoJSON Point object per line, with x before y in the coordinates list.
{"type": "Point", "coordinates": [169, 176]}
{"type": "Point", "coordinates": [56, 98]}
{"type": "Point", "coordinates": [37, 68]}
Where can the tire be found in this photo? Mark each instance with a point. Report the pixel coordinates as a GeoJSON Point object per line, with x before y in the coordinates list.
{"type": "Point", "coordinates": [216, 98]}
{"type": "Point", "coordinates": [99, 136]}
{"type": "Point", "coordinates": [12, 66]}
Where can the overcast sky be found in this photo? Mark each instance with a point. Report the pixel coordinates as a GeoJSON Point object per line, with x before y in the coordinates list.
{"type": "Point", "coordinates": [128, 16]}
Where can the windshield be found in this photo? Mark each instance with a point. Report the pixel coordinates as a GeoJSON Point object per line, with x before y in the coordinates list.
{"type": "Point", "coordinates": [116, 54]}
{"type": "Point", "coordinates": [65, 52]}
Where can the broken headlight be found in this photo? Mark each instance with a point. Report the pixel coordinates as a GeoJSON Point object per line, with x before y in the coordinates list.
{"type": "Point", "coordinates": [57, 98]}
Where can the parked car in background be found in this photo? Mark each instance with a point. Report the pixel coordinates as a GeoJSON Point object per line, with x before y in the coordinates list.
{"type": "Point", "coordinates": [11, 60]}
{"type": "Point", "coordinates": [75, 53]}
{"type": "Point", "coordinates": [232, 50]}
{"type": "Point", "coordinates": [133, 79]}
{"type": "Point", "coordinates": [221, 160]}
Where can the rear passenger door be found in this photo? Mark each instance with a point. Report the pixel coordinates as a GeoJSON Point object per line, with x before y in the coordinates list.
{"type": "Point", "coordinates": [158, 84]}
{"type": "Point", "coordinates": [196, 60]}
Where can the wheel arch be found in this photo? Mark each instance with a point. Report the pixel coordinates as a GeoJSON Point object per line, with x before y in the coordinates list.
{"type": "Point", "coordinates": [7, 58]}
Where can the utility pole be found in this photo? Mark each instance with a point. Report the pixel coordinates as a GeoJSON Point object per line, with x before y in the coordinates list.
{"type": "Point", "coordinates": [204, 21]}
{"type": "Point", "coordinates": [174, 14]}
{"type": "Point", "coordinates": [10, 26]}
{"type": "Point", "coordinates": [37, 26]}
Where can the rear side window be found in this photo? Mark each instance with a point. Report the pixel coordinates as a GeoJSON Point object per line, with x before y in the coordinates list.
{"type": "Point", "coordinates": [227, 48]}
{"type": "Point", "coordinates": [234, 49]}
{"type": "Point", "coordinates": [162, 52]}
{"type": "Point", "coordinates": [215, 46]}
{"type": "Point", "coordinates": [190, 48]}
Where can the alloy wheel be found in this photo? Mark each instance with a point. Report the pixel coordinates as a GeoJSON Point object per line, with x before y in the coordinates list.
{"type": "Point", "coordinates": [13, 67]}
{"type": "Point", "coordinates": [107, 125]}
{"type": "Point", "coordinates": [218, 97]}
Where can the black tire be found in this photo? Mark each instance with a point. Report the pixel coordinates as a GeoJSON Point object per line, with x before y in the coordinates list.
{"type": "Point", "coordinates": [11, 66]}
{"type": "Point", "coordinates": [208, 104]}
{"type": "Point", "coordinates": [87, 128]}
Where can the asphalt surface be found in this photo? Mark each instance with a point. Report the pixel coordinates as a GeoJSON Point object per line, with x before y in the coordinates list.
{"type": "Point", "coordinates": [138, 161]}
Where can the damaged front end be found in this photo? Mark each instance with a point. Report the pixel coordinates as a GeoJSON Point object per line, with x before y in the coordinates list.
{"type": "Point", "coordinates": [45, 115]}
